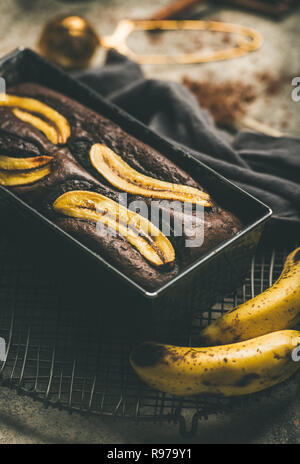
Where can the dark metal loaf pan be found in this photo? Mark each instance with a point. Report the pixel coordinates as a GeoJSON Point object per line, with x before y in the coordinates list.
{"type": "Point", "coordinates": [217, 272]}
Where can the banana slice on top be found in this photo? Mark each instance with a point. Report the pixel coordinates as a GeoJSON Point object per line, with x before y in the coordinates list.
{"type": "Point", "coordinates": [41, 125]}
{"type": "Point", "coordinates": [8, 163]}
{"type": "Point", "coordinates": [141, 233]}
{"type": "Point", "coordinates": [35, 106]}
{"type": "Point", "coordinates": [23, 171]}
{"type": "Point", "coordinates": [118, 173]}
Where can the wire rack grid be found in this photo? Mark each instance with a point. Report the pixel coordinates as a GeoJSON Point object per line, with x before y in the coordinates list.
{"type": "Point", "coordinates": [58, 355]}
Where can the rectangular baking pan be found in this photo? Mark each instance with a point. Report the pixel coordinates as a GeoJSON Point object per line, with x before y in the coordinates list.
{"type": "Point", "coordinates": [217, 272]}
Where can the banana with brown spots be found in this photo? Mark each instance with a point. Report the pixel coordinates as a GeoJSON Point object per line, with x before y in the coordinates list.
{"type": "Point", "coordinates": [277, 308]}
{"type": "Point", "coordinates": [228, 370]}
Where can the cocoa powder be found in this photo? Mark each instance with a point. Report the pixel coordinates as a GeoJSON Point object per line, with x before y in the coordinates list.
{"type": "Point", "coordinates": [229, 100]}
{"type": "Point", "coordinates": [226, 101]}
{"type": "Point", "coordinates": [273, 84]}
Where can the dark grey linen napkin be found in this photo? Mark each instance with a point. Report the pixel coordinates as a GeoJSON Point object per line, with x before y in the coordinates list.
{"type": "Point", "coordinates": [266, 167]}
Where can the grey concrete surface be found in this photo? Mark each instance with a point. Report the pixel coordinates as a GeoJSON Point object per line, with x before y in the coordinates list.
{"type": "Point", "coordinates": [24, 421]}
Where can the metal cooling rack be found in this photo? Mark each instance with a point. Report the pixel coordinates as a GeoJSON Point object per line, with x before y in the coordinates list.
{"type": "Point", "coordinates": [56, 355]}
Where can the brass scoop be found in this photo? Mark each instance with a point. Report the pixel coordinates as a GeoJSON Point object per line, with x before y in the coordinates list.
{"type": "Point", "coordinates": [71, 41]}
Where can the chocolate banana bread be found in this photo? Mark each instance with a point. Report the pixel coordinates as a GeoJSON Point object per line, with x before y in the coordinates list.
{"type": "Point", "coordinates": [99, 184]}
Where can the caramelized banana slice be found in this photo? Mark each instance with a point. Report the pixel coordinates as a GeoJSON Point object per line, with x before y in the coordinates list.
{"type": "Point", "coordinates": [12, 179]}
{"type": "Point", "coordinates": [30, 104]}
{"type": "Point", "coordinates": [114, 169]}
{"type": "Point", "coordinates": [41, 125]}
{"type": "Point", "coordinates": [140, 232]}
{"type": "Point", "coordinates": [8, 163]}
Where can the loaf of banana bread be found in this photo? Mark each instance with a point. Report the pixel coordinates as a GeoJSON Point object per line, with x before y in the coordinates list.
{"type": "Point", "coordinates": [100, 184]}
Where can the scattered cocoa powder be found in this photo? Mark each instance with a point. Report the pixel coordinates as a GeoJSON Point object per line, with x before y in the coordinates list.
{"type": "Point", "coordinates": [226, 101]}
{"type": "Point", "coordinates": [227, 38]}
{"type": "Point", "coordinates": [284, 124]}
{"type": "Point", "coordinates": [273, 83]}
{"type": "Point", "coordinates": [229, 100]}
{"type": "Point", "coordinates": [155, 37]}
{"type": "Point", "coordinates": [195, 40]}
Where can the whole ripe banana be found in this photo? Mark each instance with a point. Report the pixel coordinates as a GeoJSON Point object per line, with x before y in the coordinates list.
{"type": "Point", "coordinates": [277, 308]}
{"type": "Point", "coordinates": [228, 370]}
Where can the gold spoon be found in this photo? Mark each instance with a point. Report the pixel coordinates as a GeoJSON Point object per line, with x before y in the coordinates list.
{"type": "Point", "coordinates": [71, 41]}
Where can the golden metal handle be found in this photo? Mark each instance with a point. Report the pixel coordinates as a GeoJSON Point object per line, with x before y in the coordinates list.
{"type": "Point", "coordinates": [249, 40]}
{"type": "Point", "coordinates": [71, 41]}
